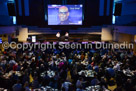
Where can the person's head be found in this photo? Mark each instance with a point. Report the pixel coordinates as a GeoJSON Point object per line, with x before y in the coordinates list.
{"type": "Point", "coordinates": [63, 13]}
{"type": "Point", "coordinates": [26, 84]}
{"type": "Point", "coordinates": [129, 80]}
{"type": "Point", "coordinates": [80, 78]}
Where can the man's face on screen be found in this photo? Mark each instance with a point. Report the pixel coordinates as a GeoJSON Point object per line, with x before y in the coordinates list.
{"type": "Point", "coordinates": [63, 13]}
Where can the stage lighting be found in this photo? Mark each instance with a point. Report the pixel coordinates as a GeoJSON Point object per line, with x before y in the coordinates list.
{"type": "Point", "coordinates": [58, 35]}
{"type": "Point", "coordinates": [67, 34]}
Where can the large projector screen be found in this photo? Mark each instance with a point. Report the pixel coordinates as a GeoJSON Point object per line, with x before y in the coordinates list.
{"type": "Point", "coordinates": [65, 14]}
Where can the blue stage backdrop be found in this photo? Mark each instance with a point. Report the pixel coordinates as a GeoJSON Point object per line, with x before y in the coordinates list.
{"type": "Point", "coordinates": [74, 18]}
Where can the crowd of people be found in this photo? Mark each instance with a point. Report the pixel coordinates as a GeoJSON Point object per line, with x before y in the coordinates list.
{"type": "Point", "coordinates": [113, 70]}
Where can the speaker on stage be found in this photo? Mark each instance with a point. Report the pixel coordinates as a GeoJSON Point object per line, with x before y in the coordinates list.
{"type": "Point", "coordinates": [118, 9]}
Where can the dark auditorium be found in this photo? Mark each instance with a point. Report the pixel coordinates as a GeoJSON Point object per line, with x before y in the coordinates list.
{"type": "Point", "coordinates": [67, 45]}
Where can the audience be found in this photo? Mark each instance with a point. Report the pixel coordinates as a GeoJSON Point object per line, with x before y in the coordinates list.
{"type": "Point", "coordinates": [26, 70]}
{"type": "Point", "coordinates": [17, 86]}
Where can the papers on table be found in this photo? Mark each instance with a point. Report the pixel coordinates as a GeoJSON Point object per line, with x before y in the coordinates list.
{"type": "Point", "coordinates": [93, 88]}
{"type": "Point", "coordinates": [87, 73]}
{"type": "Point", "coordinates": [49, 73]}
{"type": "Point", "coordinates": [47, 88]}
{"type": "Point", "coordinates": [127, 72]}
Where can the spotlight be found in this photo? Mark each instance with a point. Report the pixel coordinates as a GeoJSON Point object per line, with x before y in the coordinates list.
{"type": "Point", "coordinates": [58, 35]}
{"type": "Point", "coordinates": [67, 34]}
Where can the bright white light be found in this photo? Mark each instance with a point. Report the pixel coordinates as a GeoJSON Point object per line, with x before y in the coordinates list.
{"type": "Point", "coordinates": [55, 5]}
{"type": "Point", "coordinates": [66, 35]}
{"type": "Point", "coordinates": [113, 19]}
{"type": "Point", "coordinates": [14, 19]}
{"type": "Point", "coordinates": [58, 35]}
{"type": "Point", "coordinates": [33, 38]}
{"type": "Point", "coordinates": [81, 5]}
